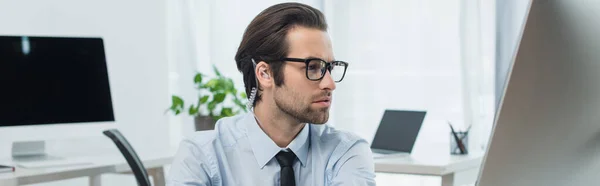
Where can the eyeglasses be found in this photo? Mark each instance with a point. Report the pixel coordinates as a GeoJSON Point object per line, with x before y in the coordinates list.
{"type": "Point", "coordinates": [317, 68]}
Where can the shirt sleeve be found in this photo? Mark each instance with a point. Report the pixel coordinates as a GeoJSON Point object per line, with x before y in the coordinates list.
{"type": "Point", "coordinates": [356, 167]}
{"type": "Point", "coordinates": [189, 167]}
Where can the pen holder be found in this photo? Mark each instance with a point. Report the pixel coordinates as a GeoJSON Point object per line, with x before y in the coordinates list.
{"type": "Point", "coordinates": [454, 146]}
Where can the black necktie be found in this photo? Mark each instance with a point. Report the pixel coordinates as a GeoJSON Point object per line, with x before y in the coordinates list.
{"type": "Point", "coordinates": [286, 161]}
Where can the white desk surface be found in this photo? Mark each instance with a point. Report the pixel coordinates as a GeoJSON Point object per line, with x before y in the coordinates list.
{"type": "Point", "coordinates": [428, 165]}
{"type": "Point", "coordinates": [109, 162]}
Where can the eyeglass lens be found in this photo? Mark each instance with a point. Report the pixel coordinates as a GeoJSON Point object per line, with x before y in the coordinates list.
{"type": "Point", "coordinates": [317, 69]}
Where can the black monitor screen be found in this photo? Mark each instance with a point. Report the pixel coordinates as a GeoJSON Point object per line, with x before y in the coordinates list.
{"type": "Point", "coordinates": [53, 80]}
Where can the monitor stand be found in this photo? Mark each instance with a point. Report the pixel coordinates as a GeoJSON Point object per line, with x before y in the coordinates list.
{"type": "Point", "coordinates": [30, 151]}
{"type": "Point", "coordinates": [32, 154]}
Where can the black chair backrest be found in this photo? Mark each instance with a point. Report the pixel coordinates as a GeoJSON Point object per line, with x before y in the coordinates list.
{"type": "Point", "coordinates": [132, 158]}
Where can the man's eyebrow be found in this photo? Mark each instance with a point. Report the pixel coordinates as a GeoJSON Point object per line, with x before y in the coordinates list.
{"type": "Point", "coordinates": [310, 56]}
{"type": "Point", "coordinates": [319, 58]}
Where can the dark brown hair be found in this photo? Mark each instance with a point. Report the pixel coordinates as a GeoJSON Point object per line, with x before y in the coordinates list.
{"type": "Point", "coordinates": [265, 39]}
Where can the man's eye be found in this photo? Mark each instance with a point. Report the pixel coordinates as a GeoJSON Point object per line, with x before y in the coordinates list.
{"type": "Point", "coordinates": [312, 67]}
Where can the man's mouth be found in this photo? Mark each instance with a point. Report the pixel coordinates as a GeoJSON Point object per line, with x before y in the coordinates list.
{"type": "Point", "coordinates": [323, 102]}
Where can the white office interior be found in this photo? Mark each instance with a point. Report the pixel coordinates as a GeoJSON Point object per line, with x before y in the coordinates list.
{"type": "Point", "coordinates": [449, 58]}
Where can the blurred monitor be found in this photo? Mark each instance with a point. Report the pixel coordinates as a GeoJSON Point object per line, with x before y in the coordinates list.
{"type": "Point", "coordinates": [547, 129]}
{"type": "Point", "coordinates": [50, 87]}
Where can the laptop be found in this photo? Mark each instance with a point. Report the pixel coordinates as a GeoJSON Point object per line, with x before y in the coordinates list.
{"type": "Point", "coordinates": [397, 133]}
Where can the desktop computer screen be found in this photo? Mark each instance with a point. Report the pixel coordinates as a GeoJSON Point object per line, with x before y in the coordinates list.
{"type": "Point", "coordinates": [547, 129]}
{"type": "Point", "coordinates": [53, 80]}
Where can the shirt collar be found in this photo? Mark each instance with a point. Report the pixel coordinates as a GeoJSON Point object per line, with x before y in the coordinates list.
{"type": "Point", "coordinates": [300, 144]}
{"type": "Point", "coordinates": [265, 149]}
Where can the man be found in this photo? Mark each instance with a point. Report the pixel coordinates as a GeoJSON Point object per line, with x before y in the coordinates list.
{"type": "Point", "coordinates": [289, 73]}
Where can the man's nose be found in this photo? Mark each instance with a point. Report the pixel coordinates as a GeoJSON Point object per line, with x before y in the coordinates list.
{"type": "Point", "coordinates": [327, 82]}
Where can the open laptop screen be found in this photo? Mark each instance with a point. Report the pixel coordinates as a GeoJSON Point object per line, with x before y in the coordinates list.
{"type": "Point", "coordinates": [398, 130]}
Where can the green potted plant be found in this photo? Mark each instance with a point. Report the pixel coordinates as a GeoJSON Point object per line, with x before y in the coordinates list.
{"type": "Point", "coordinates": [217, 98]}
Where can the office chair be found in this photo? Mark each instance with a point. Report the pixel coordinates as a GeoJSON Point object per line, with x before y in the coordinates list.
{"type": "Point", "coordinates": [132, 158]}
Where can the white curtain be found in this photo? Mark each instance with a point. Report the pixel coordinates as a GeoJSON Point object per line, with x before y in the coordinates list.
{"type": "Point", "coordinates": [477, 30]}
{"type": "Point", "coordinates": [408, 54]}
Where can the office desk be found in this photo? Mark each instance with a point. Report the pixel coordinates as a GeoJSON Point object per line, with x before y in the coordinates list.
{"type": "Point", "coordinates": [454, 170]}
{"type": "Point", "coordinates": [113, 162]}
{"type": "Point", "coordinates": [450, 168]}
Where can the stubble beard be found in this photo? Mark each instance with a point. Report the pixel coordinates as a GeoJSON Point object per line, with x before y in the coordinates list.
{"type": "Point", "coordinates": [294, 105]}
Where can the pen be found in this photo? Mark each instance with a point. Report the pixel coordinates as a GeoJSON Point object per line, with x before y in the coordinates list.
{"type": "Point", "coordinates": [466, 132]}
{"type": "Point", "coordinates": [461, 146]}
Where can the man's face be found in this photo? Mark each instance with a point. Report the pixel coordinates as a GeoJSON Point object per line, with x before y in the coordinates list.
{"type": "Point", "coordinates": [306, 100]}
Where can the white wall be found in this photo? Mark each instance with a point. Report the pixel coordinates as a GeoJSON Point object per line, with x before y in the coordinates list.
{"type": "Point", "coordinates": [134, 33]}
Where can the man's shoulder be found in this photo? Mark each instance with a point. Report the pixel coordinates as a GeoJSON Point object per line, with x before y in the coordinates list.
{"type": "Point", "coordinates": [336, 141]}
{"type": "Point", "coordinates": [340, 146]}
{"type": "Point", "coordinates": [201, 139]}
{"type": "Point", "coordinates": [327, 133]}
{"type": "Point", "coordinates": [226, 132]}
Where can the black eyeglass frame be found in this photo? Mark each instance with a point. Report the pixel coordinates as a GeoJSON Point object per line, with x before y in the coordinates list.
{"type": "Point", "coordinates": [328, 66]}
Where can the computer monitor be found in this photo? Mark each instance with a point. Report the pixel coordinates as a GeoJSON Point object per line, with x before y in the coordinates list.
{"type": "Point", "coordinates": [51, 87]}
{"type": "Point", "coordinates": [547, 130]}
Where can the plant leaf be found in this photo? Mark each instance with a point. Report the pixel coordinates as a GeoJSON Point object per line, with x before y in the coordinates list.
{"type": "Point", "coordinates": [203, 99]}
{"type": "Point", "coordinates": [177, 101]}
{"type": "Point", "coordinates": [217, 86]}
{"type": "Point", "coordinates": [216, 70]}
{"type": "Point", "coordinates": [176, 104]}
{"type": "Point", "coordinates": [211, 106]}
{"type": "Point", "coordinates": [219, 97]}
{"type": "Point", "coordinates": [193, 110]}
{"type": "Point", "coordinates": [212, 84]}
{"type": "Point", "coordinates": [225, 86]}
{"type": "Point", "coordinates": [226, 112]}
{"type": "Point", "coordinates": [198, 78]}
{"type": "Point", "coordinates": [228, 85]}
{"type": "Point", "coordinates": [243, 95]}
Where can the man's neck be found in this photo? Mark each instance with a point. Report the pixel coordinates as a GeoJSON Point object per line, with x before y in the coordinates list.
{"type": "Point", "coordinates": [280, 127]}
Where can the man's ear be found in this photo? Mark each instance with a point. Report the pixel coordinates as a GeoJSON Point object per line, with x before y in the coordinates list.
{"type": "Point", "coordinates": [263, 74]}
